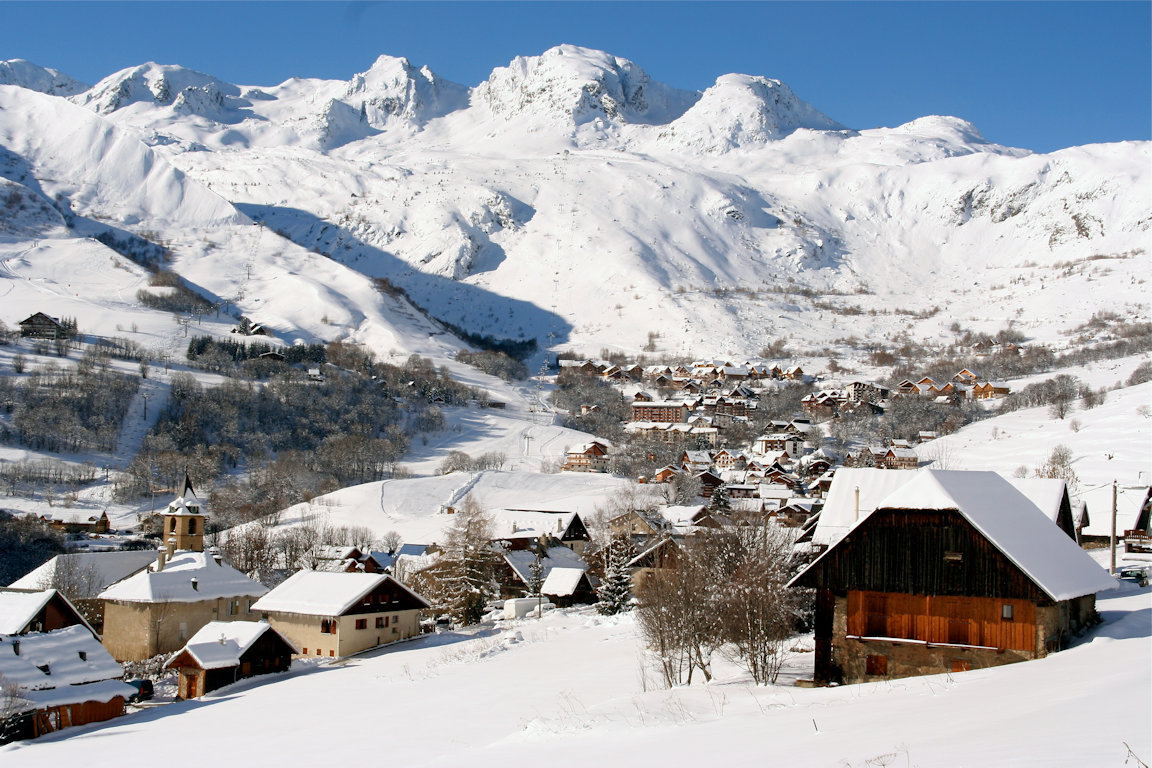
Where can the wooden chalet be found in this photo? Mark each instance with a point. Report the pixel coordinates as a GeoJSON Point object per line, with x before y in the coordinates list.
{"type": "Point", "coordinates": [638, 525]}
{"type": "Point", "coordinates": [1138, 538]}
{"type": "Point", "coordinates": [901, 458]}
{"type": "Point", "coordinates": [518, 529]}
{"type": "Point", "coordinates": [345, 559]}
{"type": "Point", "coordinates": [41, 326]}
{"type": "Point", "coordinates": [60, 674]}
{"type": "Point", "coordinates": [661, 555]}
{"type": "Point", "coordinates": [588, 457]}
{"type": "Point", "coordinates": [223, 652]}
{"type": "Point", "coordinates": [77, 522]}
{"type": "Point", "coordinates": [952, 571]}
{"type": "Point", "coordinates": [564, 574]}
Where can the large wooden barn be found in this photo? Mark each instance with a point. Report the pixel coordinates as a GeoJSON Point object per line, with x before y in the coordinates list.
{"type": "Point", "coordinates": [952, 571]}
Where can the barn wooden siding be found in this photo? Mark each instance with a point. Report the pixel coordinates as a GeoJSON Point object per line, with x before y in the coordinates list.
{"type": "Point", "coordinates": [944, 620]}
{"type": "Point", "coordinates": [922, 552]}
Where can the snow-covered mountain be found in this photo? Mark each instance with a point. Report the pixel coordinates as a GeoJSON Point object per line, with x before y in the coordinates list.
{"type": "Point", "coordinates": [572, 199]}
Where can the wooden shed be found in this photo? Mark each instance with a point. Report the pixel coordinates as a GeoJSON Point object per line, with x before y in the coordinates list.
{"type": "Point", "coordinates": [223, 652]}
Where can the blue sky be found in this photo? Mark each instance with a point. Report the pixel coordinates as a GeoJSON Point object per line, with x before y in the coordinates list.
{"type": "Point", "coordinates": [1032, 74]}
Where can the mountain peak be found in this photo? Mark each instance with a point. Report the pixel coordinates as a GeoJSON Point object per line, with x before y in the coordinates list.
{"type": "Point", "coordinates": [393, 88]}
{"type": "Point", "coordinates": [160, 84]}
{"type": "Point", "coordinates": [744, 110]}
{"type": "Point", "coordinates": [36, 78]}
{"type": "Point", "coordinates": [575, 85]}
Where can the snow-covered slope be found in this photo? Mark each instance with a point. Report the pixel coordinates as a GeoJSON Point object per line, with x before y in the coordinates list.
{"type": "Point", "coordinates": [572, 199]}
{"type": "Point", "coordinates": [575, 686]}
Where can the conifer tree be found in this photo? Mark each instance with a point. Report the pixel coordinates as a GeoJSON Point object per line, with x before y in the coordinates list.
{"type": "Point", "coordinates": [616, 589]}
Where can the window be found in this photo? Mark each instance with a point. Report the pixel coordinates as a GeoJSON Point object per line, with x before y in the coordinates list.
{"type": "Point", "coordinates": [876, 665]}
{"type": "Point", "coordinates": [191, 525]}
{"type": "Point", "coordinates": [361, 623]}
{"type": "Point", "coordinates": [331, 653]}
{"type": "Point", "coordinates": [233, 607]}
{"type": "Point", "coordinates": [305, 651]}
{"type": "Point", "coordinates": [380, 622]}
{"type": "Point", "coordinates": [953, 557]}
{"type": "Point", "coordinates": [317, 651]}
{"type": "Point", "coordinates": [83, 655]}
{"type": "Point", "coordinates": [1006, 612]}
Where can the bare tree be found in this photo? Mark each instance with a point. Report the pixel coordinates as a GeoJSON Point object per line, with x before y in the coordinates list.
{"type": "Point", "coordinates": [1058, 465]}
{"type": "Point", "coordinates": [759, 612]}
{"type": "Point", "coordinates": [391, 542]}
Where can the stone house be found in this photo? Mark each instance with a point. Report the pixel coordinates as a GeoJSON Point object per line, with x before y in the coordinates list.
{"type": "Point", "coordinates": [338, 614]}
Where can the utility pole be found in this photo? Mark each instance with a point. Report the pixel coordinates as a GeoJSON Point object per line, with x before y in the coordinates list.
{"type": "Point", "coordinates": [1112, 539]}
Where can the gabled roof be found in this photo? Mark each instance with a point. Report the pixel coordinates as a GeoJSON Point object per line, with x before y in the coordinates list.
{"type": "Point", "coordinates": [530, 523]}
{"type": "Point", "coordinates": [321, 593]}
{"type": "Point", "coordinates": [175, 583]}
{"type": "Point", "coordinates": [103, 568]}
{"type": "Point", "coordinates": [18, 607]}
{"type": "Point", "coordinates": [562, 582]}
{"type": "Point", "coordinates": [220, 644]}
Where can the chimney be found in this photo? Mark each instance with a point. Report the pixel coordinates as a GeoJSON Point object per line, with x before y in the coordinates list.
{"type": "Point", "coordinates": [195, 583]}
{"type": "Point", "coordinates": [216, 556]}
{"type": "Point", "coordinates": [171, 544]}
{"type": "Point", "coordinates": [857, 517]}
{"type": "Point", "coordinates": [161, 559]}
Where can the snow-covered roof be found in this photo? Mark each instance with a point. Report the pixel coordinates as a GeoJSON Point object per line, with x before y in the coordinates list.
{"type": "Point", "coordinates": [521, 561]}
{"type": "Point", "coordinates": [17, 608]}
{"type": "Point", "coordinates": [102, 691]}
{"type": "Point", "coordinates": [840, 511]}
{"type": "Point", "coordinates": [175, 583]}
{"type": "Point", "coordinates": [527, 523]}
{"type": "Point", "coordinates": [1045, 493]}
{"type": "Point", "coordinates": [182, 506]}
{"type": "Point", "coordinates": [681, 516]}
{"type": "Point", "coordinates": [104, 568]}
{"type": "Point", "coordinates": [562, 582]}
{"type": "Point", "coordinates": [1012, 523]}
{"type": "Point", "coordinates": [74, 517]}
{"type": "Point", "coordinates": [220, 644]}
{"type": "Point", "coordinates": [319, 593]}
{"type": "Point", "coordinates": [61, 658]}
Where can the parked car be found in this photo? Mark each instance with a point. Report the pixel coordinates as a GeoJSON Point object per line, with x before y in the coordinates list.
{"type": "Point", "coordinates": [1137, 573]}
{"type": "Point", "coordinates": [143, 690]}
